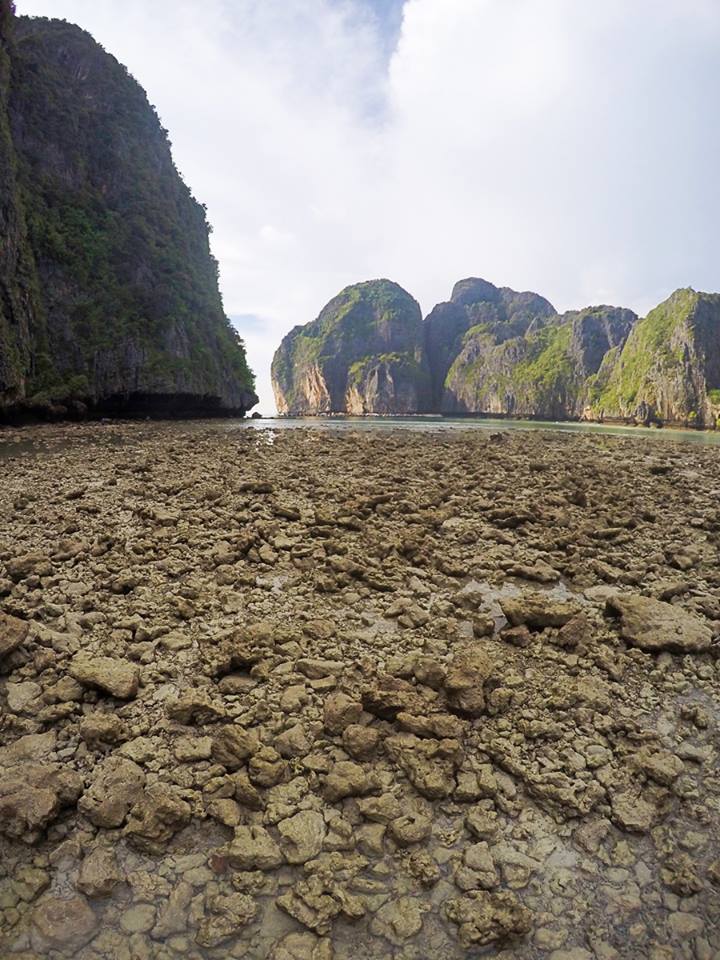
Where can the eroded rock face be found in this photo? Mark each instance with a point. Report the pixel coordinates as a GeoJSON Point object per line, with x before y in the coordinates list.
{"type": "Point", "coordinates": [363, 354]}
{"type": "Point", "coordinates": [493, 350]}
{"type": "Point", "coordinates": [669, 369]}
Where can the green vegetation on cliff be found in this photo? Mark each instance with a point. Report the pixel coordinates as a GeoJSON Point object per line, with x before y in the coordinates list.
{"type": "Point", "coordinates": [652, 353]}
{"type": "Point", "coordinates": [506, 353]}
{"type": "Point", "coordinates": [547, 364]}
{"type": "Point", "coordinates": [363, 352]}
{"type": "Point", "coordinates": [128, 301]}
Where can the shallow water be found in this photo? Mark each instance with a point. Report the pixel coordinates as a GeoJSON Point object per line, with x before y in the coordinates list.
{"type": "Point", "coordinates": [38, 439]}
{"type": "Point", "coordinates": [420, 424]}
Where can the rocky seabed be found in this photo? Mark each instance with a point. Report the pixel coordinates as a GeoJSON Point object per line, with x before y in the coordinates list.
{"type": "Point", "coordinates": [304, 696]}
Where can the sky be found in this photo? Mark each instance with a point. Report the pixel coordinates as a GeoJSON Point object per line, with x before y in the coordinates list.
{"type": "Point", "coordinates": [551, 145]}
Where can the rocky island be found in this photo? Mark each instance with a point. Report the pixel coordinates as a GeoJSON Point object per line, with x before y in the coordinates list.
{"type": "Point", "coordinates": [109, 298]}
{"type": "Point", "coordinates": [492, 351]}
{"type": "Point", "coordinates": [313, 694]}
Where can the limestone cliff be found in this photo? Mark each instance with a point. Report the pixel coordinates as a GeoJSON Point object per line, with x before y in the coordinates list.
{"type": "Point", "coordinates": [669, 369]}
{"type": "Point", "coordinates": [493, 351]}
{"type": "Point", "coordinates": [18, 283]}
{"type": "Point", "coordinates": [109, 292]}
{"type": "Point", "coordinates": [542, 373]}
{"type": "Point", "coordinates": [362, 355]}
{"type": "Point", "coordinates": [492, 314]}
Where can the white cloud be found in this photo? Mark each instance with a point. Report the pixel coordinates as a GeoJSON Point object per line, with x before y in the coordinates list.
{"type": "Point", "coordinates": [547, 144]}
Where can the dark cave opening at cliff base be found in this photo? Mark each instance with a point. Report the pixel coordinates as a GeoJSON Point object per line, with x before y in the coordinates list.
{"type": "Point", "coordinates": [164, 406]}
{"type": "Point", "coordinates": [133, 406]}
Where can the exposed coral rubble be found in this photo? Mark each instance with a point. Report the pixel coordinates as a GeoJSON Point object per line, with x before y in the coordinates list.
{"type": "Point", "coordinates": [309, 695]}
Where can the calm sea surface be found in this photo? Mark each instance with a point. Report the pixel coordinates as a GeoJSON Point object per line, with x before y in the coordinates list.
{"type": "Point", "coordinates": [429, 424]}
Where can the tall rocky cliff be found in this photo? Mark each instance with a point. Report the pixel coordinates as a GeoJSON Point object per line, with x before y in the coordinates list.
{"type": "Point", "coordinates": [493, 351]}
{"type": "Point", "coordinates": [108, 291]}
{"type": "Point", "coordinates": [477, 311]}
{"type": "Point", "coordinates": [669, 369]}
{"type": "Point", "coordinates": [543, 372]}
{"type": "Point", "coordinates": [362, 355]}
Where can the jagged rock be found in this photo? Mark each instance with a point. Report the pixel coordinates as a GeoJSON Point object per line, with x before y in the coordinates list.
{"type": "Point", "coordinates": [428, 764]}
{"type": "Point", "coordinates": [302, 836]}
{"type": "Point", "coordinates": [347, 779]}
{"type": "Point", "coordinates": [267, 768]}
{"type": "Point", "coordinates": [32, 796]}
{"type": "Point", "coordinates": [380, 809]}
{"type": "Point", "coordinates": [479, 867]}
{"type": "Point", "coordinates": [360, 742]}
{"type": "Point", "coordinates": [537, 611]}
{"type": "Point", "coordinates": [99, 873]}
{"type": "Point", "coordinates": [23, 697]}
{"type": "Point", "coordinates": [117, 677]}
{"type": "Point", "coordinates": [245, 792]}
{"type": "Point", "coordinates": [192, 749]}
{"type": "Point", "coordinates": [316, 901]}
{"type": "Point", "coordinates": [653, 625]}
{"type": "Point", "coordinates": [31, 564]}
{"type": "Point", "coordinates": [410, 828]}
{"type": "Point", "coordinates": [155, 818]}
{"type": "Point", "coordinates": [680, 875]}
{"type": "Point", "coordinates": [195, 706]}
{"type": "Point", "coordinates": [13, 633]}
{"type": "Point", "coordinates": [97, 729]}
{"type": "Point", "coordinates": [233, 745]}
{"type": "Point", "coordinates": [436, 725]}
{"type": "Point", "coordinates": [485, 918]}
{"type": "Point", "coordinates": [253, 849]}
{"type": "Point", "coordinates": [340, 711]}
{"type": "Point", "coordinates": [173, 916]}
{"type": "Point", "coordinates": [481, 824]}
{"type": "Point", "coordinates": [114, 789]}
{"type": "Point", "coordinates": [660, 765]}
{"type": "Point", "coordinates": [293, 742]}
{"type": "Point", "coordinates": [389, 696]}
{"type": "Point", "coordinates": [229, 913]}
{"type": "Point", "coordinates": [398, 920]}
{"type": "Point", "coordinates": [468, 673]}
{"type": "Point", "coordinates": [631, 812]}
